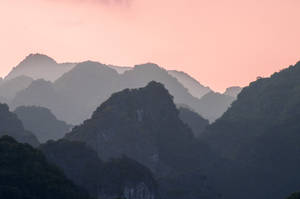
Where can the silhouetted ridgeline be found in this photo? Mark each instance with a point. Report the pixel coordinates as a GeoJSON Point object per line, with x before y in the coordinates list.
{"type": "Point", "coordinates": [259, 134]}
{"type": "Point", "coordinates": [25, 174]}
{"type": "Point", "coordinates": [38, 66]}
{"type": "Point", "coordinates": [193, 86]}
{"type": "Point", "coordinates": [137, 144]}
{"type": "Point", "coordinates": [85, 86]}
{"type": "Point", "coordinates": [233, 91]}
{"type": "Point", "coordinates": [144, 125]}
{"type": "Point", "coordinates": [117, 178]}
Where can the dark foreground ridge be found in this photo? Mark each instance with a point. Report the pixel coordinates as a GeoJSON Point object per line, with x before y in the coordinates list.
{"type": "Point", "coordinates": [25, 174]}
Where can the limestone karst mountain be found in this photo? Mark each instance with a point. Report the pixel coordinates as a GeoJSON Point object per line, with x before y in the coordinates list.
{"type": "Point", "coordinates": [42, 123]}
{"type": "Point", "coordinates": [12, 126]}
{"type": "Point", "coordinates": [213, 105]}
{"type": "Point", "coordinates": [193, 86]}
{"type": "Point", "coordinates": [39, 66]}
{"type": "Point", "coordinates": [117, 178]}
{"type": "Point", "coordinates": [120, 69]}
{"type": "Point", "coordinates": [25, 174]}
{"type": "Point", "coordinates": [233, 91]}
{"type": "Point", "coordinates": [84, 88]}
{"type": "Point", "coordinates": [197, 123]}
{"type": "Point", "coordinates": [40, 93]}
{"type": "Point", "coordinates": [9, 88]}
{"type": "Point", "coordinates": [259, 135]}
{"type": "Point", "coordinates": [76, 94]}
{"type": "Point", "coordinates": [144, 125]}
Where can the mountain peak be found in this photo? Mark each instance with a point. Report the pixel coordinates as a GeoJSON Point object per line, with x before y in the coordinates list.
{"type": "Point", "coordinates": [147, 66]}
{"type": "Point", "coordinates": [194, 87]}
{"type": "Point", "coordinates": [154, 94]}
{"type": "Point", "coordinates": [233, 91]}
{"type": "Point", "coordinates": [148, 119]}
{"type": "Point", "coordinates": [37, 58]}
{"type": "Point", "coordinates": [39, 66]}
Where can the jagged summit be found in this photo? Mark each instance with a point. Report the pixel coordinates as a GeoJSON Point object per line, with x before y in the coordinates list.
{"type": "Point", "coordinates": [149, 65]}
{"type": "Point", "coordinates": [88, 68]}
{"type": "Point", "coordinates": [39, 66]}
{"type": "Point", "coordinates": [143, 124]}
{"type": "Point", "coordinates": [195, 88]}
{"type": "Point", "coordinates": [37, 58]}
{"type": "Point", "coordinates": [153, 98]}
{"type": "Point", "coordinates": [233, 91]}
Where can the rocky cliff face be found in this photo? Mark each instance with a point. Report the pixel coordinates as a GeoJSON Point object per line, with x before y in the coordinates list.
{"type": "Point", "coordinates": [143, 124]}
{"type": "Point", "coordinates": [117, 178]}
{"type": "Point", "coordinates": [233, 91]}
{"type": "Point", "coordinates": [141, 191]}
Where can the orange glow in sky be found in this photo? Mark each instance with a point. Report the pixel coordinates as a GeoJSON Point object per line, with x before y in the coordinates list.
{"type": "Point", "coordinates": [219, 42]}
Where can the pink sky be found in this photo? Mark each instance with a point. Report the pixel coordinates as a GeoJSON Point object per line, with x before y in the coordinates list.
{"type": "Point", "coordinates": [219, 42]}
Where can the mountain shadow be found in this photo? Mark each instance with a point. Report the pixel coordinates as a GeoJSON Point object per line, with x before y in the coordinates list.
{"type": "Point", "coordinates": [25, 174]}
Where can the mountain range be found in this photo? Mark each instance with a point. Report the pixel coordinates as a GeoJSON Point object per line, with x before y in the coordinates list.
{"type": "Point", "coordinates": [39, 66]}
{"type": "Point", "coordinates": [140, 133]}
{"type": "Point", "coordinates": [73, 99]}
{"type": "Point", "coordinates": [116, 178]}
{"type": "Point", "coordinates": [144, 125]}
{"type": "Point", "coordinates": [193, 86]}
